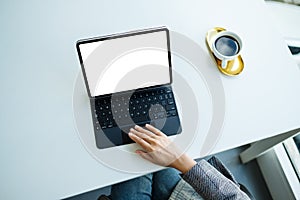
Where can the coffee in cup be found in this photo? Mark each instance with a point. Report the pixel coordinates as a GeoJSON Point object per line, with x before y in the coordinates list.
{"type": "Point", "coordinates": [226, 46]}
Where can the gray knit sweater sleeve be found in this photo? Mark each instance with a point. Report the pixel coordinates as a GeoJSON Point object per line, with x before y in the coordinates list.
{"type": "Point", "coordinates": [211, 184]}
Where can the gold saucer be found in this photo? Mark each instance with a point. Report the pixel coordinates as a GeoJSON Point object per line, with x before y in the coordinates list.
{"type": "Point", "coordinates": [233, 67]}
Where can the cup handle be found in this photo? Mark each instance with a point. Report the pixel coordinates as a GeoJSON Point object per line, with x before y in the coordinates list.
{"type": "Point", "coordinates": [224, 64]}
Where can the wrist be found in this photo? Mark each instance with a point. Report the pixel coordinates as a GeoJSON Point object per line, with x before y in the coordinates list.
{"type": "Point", "coordinates": [183, 164]}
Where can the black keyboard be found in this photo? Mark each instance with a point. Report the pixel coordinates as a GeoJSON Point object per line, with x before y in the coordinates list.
{"type": "Point", "coordinates": [139, 107]}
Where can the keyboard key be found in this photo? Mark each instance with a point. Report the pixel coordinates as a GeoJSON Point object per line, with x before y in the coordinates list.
{"type": "Point", "coordinates": [173, 112]}
{"type": "Point", "coordinates": [170, 101]}
{"type": "Point", "coordinates": [170, 107]}
{"type": "Point", "coordinates": [161, 115]}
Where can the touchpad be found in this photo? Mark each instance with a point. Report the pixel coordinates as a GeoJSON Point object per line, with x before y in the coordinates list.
{"type": "Point", "coordinates": [125, 130]}
{"type": "Point", "coordinates": [126, 139]}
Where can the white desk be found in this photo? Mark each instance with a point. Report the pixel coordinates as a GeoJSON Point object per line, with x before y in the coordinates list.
{"type": "Point", "coordinates": [41, 154]}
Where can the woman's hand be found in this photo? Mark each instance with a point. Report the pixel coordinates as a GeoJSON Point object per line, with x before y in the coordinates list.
{"type": "Point", "coordinates": [159, 149]}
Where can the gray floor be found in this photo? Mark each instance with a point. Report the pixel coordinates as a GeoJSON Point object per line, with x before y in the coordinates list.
{"type": "Point", "coordinates": [248, 174]}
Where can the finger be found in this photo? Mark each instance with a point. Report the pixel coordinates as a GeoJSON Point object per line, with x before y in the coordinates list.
{"type": "Point", "coordinates": [145, 145]}
{"type": "Point", "coordinates": [144, 155]}
{"type": "Point", "coordinates": [139, 151]}
{"type": "Point", "coordinates": [142, 130]}
{"type": "Point", "coordinates": [154, 130]}
{"type": "Point", "coordinates": [141, 135]}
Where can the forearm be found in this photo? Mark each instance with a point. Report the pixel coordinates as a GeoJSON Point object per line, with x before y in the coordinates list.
{"type": "Point", "coordinates": [211, 184]}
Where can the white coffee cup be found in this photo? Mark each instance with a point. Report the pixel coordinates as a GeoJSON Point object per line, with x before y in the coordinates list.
{"type": "Point", "coordinates": [226, 46]}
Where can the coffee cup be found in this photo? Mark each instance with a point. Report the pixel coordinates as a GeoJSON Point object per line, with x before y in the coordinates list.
{"type": "Point", "coordinates": [226, 46]}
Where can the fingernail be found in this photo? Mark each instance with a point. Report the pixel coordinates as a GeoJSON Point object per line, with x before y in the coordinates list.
{"type": "Point", "coordinates": [136, 126]}
{"type": "Point", "coordinates": [130, 134]}
{"type": "Point", "coordinates": [138, 151]}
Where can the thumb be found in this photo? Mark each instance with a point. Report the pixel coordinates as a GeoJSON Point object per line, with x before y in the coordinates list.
{"type": "Point", "coordinates": [144, 155]}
